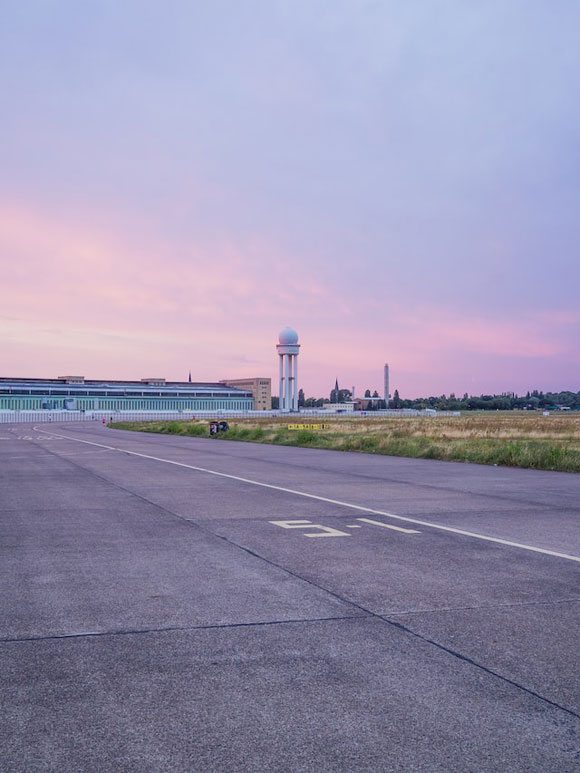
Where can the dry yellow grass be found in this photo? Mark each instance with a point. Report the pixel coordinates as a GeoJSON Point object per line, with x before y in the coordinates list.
{"type": "Point", "coordinates": [505, 438]}
{"type": "Point", "coordinates": [502, 425]}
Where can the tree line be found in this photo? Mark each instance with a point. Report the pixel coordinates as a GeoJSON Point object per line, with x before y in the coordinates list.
{"type": "Point", "coordinates": [507, 401]}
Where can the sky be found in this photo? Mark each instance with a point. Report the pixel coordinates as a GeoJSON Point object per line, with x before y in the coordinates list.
{"type": "Point", "coordinates": [398, 181]}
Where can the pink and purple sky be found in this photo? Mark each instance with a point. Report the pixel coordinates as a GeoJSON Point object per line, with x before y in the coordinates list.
{"type": "Point", "coordinates": [398, 181]}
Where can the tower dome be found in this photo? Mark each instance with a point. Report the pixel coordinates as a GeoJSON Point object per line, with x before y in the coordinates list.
{"type": "Point", "coordinates": [288, 337]}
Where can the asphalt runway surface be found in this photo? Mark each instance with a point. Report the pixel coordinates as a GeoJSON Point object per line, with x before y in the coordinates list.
{"type": "Point", "coordinates": [174, 603]}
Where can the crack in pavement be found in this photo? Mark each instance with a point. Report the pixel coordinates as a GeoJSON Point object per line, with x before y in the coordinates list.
{"type": "Point", "coordinates": [175, 628]}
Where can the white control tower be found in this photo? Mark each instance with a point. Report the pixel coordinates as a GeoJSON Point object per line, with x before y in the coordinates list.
{"type": "Point", "coordinates": [288, 350]}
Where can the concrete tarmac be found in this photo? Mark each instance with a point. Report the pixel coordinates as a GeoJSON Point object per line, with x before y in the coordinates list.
{"type": "Point", "coordinates": [186, 604]}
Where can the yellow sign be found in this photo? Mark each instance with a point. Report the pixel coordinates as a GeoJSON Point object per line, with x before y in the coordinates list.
{"type": "Point", "coordinates": [309, 426]}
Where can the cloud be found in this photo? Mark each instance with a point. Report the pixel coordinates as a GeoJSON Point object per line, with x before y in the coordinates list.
{"type": "Point", "coordinates": [73, 287]}
{"type": "Point", "coordinates": [126, 303]}
{"type": "Point", "coordinates": [534, 335]}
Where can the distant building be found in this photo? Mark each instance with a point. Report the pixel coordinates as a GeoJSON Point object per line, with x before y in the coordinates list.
{"type": "Point", "coordinates": [150, 394]}
{"type": "Point", "coordinates": [347, 407]}
{"type": "Point", "coordinates": [366, 403]}
{"type": "Point", "coordinates": [261, 389]}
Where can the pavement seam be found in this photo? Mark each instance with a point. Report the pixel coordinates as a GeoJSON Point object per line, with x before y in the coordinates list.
{"type": "Point", "coordinates": [366, 612]}
{"type": "Point", "coordinates": [176, 628]}
{"type": "Point", "coordinates": [479, 608]}
{"type": "Point", "coordinates": [472, 662]}
{"type": "Point", "coordinates": [220, 537]}
{"type": "Point", "coordinates": [424, 639]}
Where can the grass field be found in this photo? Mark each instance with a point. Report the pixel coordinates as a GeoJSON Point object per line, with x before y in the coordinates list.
{"type": "Point", "coordinates": [515, 439]}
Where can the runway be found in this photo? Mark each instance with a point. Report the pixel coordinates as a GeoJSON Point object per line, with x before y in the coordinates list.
{"type": "Point", "coordinates": [176, 603]}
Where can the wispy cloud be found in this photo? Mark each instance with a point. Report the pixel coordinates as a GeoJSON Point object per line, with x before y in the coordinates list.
{"type": "Point", "coordinates": [398, 184]}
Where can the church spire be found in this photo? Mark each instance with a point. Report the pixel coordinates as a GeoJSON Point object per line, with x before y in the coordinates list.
{"type": "Point", "coordinates": [190, 377]}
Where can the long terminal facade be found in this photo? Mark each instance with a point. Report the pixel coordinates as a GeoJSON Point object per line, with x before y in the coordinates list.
{"type": "Point", "coordinates": [77, 393]}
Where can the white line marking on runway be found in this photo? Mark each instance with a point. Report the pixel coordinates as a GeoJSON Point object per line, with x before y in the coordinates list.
{"type": "Point", "coordinates": [389, 526]}
{"type": "Point", "coordinates": [318, 498]}
{"type": "Point", "coordinates": [84, 453]}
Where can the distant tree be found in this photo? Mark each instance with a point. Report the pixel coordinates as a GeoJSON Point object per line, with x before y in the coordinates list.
{"type": "Point", "coordinates": [505, 401]}
{"type": "Point", "coordinates": [275, 403]}
{"type": "Point", "coordinates": [375, 393]}
{"type": "Point", "coordinates": [301, 398]}
{"type": "Point", "coordinates": [344, 395]}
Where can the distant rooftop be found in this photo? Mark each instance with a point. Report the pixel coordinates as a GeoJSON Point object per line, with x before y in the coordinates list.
{"type": "Point", "coordinates": [112, 382]}
{"type": "Point", "coordinates": [148, 386]}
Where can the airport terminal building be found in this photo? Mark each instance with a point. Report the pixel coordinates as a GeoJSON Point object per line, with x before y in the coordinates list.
{"type": "Point", "coordinates": [75, 393]}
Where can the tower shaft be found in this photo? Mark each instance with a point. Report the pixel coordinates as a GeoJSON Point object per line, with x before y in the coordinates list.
{"type": "Point", "coordinates": [288, 350]}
